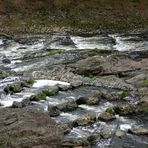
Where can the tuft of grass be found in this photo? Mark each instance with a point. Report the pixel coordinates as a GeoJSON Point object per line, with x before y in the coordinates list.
{"type": "Point", "coordinates": [54, 52]}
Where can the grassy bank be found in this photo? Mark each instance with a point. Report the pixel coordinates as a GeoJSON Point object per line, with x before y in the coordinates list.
{"type": "Point", "coordinates": [77, 16]}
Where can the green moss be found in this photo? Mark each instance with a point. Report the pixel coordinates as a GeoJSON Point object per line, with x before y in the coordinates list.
{"type": "Point", "coordinates": [41, 96]}
{"type": "Point", "coordinates": [92, 77]}
{"type": "Point", "coordinates": [123, 94]}
{"type": "Point", "coordinates": [38, 97]}
{"type": "Point", "coordinates": [14, 88]}
{"type": "Point", "coordinates": [30, 81]}
{"type": "Point", "coordinates": [54, 52]}
{"type": "Point", "coordinates": [110, 110]}
{"type": "Point", "coordinates": [145, 82]}
{"type": "Point", "coordinates": [50, 92]}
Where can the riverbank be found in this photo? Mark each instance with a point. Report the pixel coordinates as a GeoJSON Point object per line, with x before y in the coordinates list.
{"type": "Point", "coordinates": [75, 17]}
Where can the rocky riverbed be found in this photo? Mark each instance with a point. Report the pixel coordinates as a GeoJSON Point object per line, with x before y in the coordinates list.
{"type": "Point", "coordinates": [77, 91]}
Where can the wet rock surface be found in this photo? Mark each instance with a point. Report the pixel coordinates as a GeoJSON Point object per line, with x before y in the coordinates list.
{"type": "Point", "coordinates": [97, 97]}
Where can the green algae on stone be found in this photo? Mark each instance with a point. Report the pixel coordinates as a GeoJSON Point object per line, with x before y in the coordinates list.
{"type": "Point", "coordinates": [54, 52]}
{"type": "Point", "coordinates": [30, 81]}
{"type": "Point", "coordinates": [145, 82]}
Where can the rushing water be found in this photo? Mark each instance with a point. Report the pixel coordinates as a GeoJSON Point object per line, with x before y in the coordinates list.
{"type": "Point", "coordinates": [14, 54]}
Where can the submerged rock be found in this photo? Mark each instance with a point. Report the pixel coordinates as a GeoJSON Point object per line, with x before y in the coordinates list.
{"type": "Point", "coordinates": [6, 61]}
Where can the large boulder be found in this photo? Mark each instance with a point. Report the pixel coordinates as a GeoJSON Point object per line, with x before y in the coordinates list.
{"type": "Point", "coordinates": [28, 128]}
{"type": "Point", "coordinates": [106, 65]}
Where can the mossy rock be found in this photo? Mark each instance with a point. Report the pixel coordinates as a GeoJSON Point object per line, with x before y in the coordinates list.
{"type": "Point", "coordinates": [44, 92]}
{"type": "Point", "coordinates": [16, 88]}
{"type": "Point", "coordinates": [38, 97]}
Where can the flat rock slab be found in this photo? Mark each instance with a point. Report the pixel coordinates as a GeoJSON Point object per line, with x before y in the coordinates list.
{"type": "Point", "coordinates": [28, 128]}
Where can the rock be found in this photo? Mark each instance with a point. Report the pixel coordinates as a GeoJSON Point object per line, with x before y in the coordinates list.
{"type": "Point", "coordinates": [68, 106]}
{"type": "Point", "coordinates": [113, 82]}
{"type": "Point", "coordinates": [144, 94]}
{"type": "Point", "coordinates": [75, 142]}
{"type": "Point", "coordinates": [136, 80]}
{"type": "Point", "coordinates": [131, 109]}
{"type": "Point", "coordinates": [23, 103]}
{"type": "Point", "coordinates": [106, 132]}
{"type": "Point", "coordinates": [120, 133]}
{"type": "Point", "coordinates": [90, 118]}
{"type": "Point", "coordinates": [138, 131]}
{"type": "Point", "coordinates": [6, 61]}
{"type": "Point", "coordinates": [64, 87]}
{"type": "Point", "coordinates": [14, 88]}
{"type": "Point", "coordinates": [76, 83]}
{"type": "Point", "coordinates": [87, 67]}
{"type": "Point", "coordinates": [65, 41]}
{"type": "Point", "coordinates": [53, 111]}
{"type": "Point", "coordinates": [88, 100]}
{"type": "Point", "coordinates": [65, 128]}
{"type": "Point", "coordinates": [113, 64]}
{"type": "Point", "coordinates": [138, 54]}
{"type": "Point", "coordinates": [17, 104]}
{"type": "Point", "coordinates": [115, 95]}
{"type": "Point", "coordinates": [28, 128]}
{"type": "Point", "coordinates": [125, 110]}
{"type": "Point", "coordinates": [51, 91]}
{"type": "Point", "coordinates": [106, 116]}
{"type": "Point", "coordinates": [92, 99]}
{"type": "Point", "coordinates": [128, 141]}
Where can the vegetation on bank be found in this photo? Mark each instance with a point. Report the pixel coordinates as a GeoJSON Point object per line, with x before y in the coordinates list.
{"type": "Point", "coordinates": [76, 16]}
